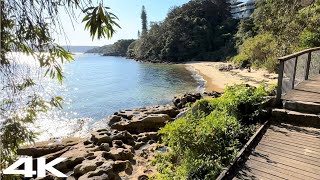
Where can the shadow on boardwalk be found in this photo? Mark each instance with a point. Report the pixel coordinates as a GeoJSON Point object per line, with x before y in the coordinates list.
{"type": "Point", "coordinates": [285, 152]}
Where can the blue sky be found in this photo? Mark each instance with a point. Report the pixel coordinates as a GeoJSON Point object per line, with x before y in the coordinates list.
{"type": "Point", "coordinates": [128, 12]}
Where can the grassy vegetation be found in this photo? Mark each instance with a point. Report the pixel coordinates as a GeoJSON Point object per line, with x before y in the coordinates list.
{"type": "Point", "coordinates": [210, 136]}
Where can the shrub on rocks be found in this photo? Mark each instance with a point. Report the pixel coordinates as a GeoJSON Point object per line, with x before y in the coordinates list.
{"type": "Point", "coordinates": [213, 94]}
{"type": "Point", "coordinates": [181, 102]}
{"type": "Point", "coordinates": [209, 137]}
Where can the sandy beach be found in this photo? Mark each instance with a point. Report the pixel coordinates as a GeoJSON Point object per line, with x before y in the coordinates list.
{"type": "Point", "coordinates": [217, 80]}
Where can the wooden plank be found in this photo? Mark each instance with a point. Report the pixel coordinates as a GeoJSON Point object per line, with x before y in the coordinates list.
{"type": "Point", "coordinates": [295, 142]}
{"type": "Point", "coordinates": [259, 171]}
{"type": "Point", "coordinates": [298, 95]}
{"type": "Point", "coordinates": [302, 147]}
{"type": "Point", "coordinates": [295, 132]}
{"type": "Point", "coordinates": [248, 175]}
{"type": "Point", "coordinates": [307, 91]}
{"type": "Point", "coordinates": [300, 141]}
{"type": "Point", "coordinates": [285, 152]}
{"type": "Point", "coordinates": [298, 138]}
{"type": "Point", "coordinates": [283, 158]}
{"type": "Point", "coordinates": [309, 156]}
{"type": "Point", "coordinates": [267, 153]}
{"type": "Point", "coordinates": [313, 166]}
{"type": "Point", "coordinates": [282, 171]}
{"type": "Point", "coordinates": [251, 174]}
{"type": "Point", "coordinates": [287, 167]}
{"type": "Point", "coordinates": [305, 132]}
{"type": "Point", "coordinates": [293, 148]}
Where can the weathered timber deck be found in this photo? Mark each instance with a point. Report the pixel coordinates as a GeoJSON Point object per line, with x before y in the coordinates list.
{"type": "Point", "coordinates": [307, 91]}
{"type": "Point", "coordinates": [284, 152]}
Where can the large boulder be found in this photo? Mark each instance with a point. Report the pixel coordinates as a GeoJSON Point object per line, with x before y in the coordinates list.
{"type": "Point", "coordinates": [113, 119]}
{"type": "Point", "coordinates": [47, 147]}
{"type": "Point", "coordinates": [181, 102]}
{"type": "Point", "coordinates": [169, 110]}
{"type": "Point", "coordinates": [108, 154]}
{"type": "Point", "coordinates": [121, 154]}
{"type": "Point", "coordinates": [101, 136]}
{"type": "Point", "coordinates": [104, 136]}
{"type": "Point", "coordinates": [84, 167]}
{"type": "Point", "coordinates": [103, 172]}
{"type": "Point", "coordinates": [149, 123]}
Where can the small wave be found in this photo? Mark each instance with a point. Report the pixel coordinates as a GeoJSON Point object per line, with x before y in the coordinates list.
{"type": "Point", "coordinates": [61, 127]}
{"type": "Point", "coordinates": [200, 80]}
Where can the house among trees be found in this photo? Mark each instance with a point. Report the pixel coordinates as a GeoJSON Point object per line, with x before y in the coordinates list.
{"type": "Point", "coordinates": [241, 10]}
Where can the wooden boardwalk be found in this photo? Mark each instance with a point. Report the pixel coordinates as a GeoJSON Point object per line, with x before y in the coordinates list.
{"type": "Point", "coordinates": [290, 147]}
{"type": "Point", "coordinates": [284, 152]}
{"type": "Point", "coordinates": [307, 91]}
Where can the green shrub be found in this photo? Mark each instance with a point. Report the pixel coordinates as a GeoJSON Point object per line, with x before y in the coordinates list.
{"type": "Point", "coordinates": [275, 29]}
{"type": "Point", "coordinates": [199, 141]}
{"type": "Point", "coordinates": [209, 137]}
{"type": "Point", "coordinates": [310, 18]}
{"type": "Point", "coordinates": [242, 60]}
{"type": "Point", "coordinates": [258, 51]}
{"type": "Point", "coordinates": [241, 102]}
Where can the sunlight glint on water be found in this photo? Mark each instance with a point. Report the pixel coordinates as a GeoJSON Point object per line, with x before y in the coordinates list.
{"type": "Point", "coordinates": [95, 87]}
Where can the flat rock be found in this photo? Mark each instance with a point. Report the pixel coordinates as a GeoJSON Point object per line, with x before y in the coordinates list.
{"type": "Point", "coordinates": [103, 136]}
{"type": "Point", "coordinates": [150, 123]}
{"type": "Point", "coordinates": [48, 147]}
{"type": "Point", "coordinates": [121, 154]}
{"type": "Point", "coordinates": [169, 110]}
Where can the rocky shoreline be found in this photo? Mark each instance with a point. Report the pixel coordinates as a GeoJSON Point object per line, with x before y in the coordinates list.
{"type": "Point", "coordinates": [123, 149]}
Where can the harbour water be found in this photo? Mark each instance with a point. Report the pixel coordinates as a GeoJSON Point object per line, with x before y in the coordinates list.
{"type": "Point", "coordinates": [96, 86]}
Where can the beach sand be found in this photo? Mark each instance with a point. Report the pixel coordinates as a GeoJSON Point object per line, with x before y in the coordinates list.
{"type": "Point", "coordinates": [217, 80]}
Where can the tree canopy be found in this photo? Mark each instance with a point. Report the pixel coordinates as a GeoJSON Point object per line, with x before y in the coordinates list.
{"type": "Point", "coordinates": [29, 27]}
{"type": "Point", "coordinates": [199, 29]}
{"type": "Point", "coordinates": [289, 25]}
{"type": "Point", "coordinates": [119, 48]}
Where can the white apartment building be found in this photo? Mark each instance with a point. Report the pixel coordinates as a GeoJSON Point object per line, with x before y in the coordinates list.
{"type": "Point", "coordinates": [241, 10]}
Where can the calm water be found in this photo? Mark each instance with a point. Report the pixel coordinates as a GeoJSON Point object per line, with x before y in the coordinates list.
{"type": "Point", "coordinates": [97, 86]}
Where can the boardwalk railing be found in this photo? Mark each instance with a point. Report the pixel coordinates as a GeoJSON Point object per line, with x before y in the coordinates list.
{"type": "Point", "coordinates": [296, 68]}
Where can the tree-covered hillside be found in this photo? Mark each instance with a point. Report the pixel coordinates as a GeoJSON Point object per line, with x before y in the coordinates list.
{"type": "Point", "coordinates": [198, 30]}
{"type": "Point", "coordinates": [278, 28]}
{"type": "Point", "coordinates": [119, 48]}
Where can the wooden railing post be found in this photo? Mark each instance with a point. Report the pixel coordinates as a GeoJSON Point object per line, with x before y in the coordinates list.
{"type": "Point", "coordinates": [308, 66]}
{"type": "Point", "coordinates": [280, 78]}
{"type": "Point", "coordinates": [294, 72]}
{"type": "Point", "coordinates": [282, 60]}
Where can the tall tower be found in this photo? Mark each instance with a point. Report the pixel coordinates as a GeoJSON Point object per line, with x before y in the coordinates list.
{"type": "Point", "coordinates": [242, 10]}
